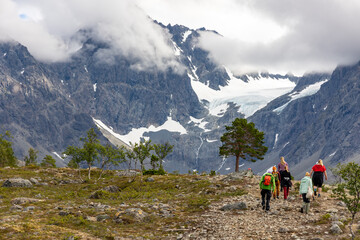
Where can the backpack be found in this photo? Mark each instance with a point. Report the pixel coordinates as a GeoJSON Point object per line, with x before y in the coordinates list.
{"type": "Point", "coordinates": [267, 180]}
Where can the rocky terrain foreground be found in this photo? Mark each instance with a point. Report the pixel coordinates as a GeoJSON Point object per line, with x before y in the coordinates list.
{"type": "Point", "coordinates": [39, 203]}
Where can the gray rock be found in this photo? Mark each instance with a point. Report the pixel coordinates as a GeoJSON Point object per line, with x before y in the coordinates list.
{"type": "Point", "coordinates": [341, 203]}
{"type": "Point", "coordinates": [335, 229]}
{"type": "Point", "coordinates": [239, 175]}
{"type": "Point", "coordinates": [63, 213]}
{"type": "Point", "coordinates": [111, 188]}
{"type": "Point", "coordinates": [283, 230]}
{"type": "Point", "coordinates": [235, 206]}
{"type": "Point", "coordinates": [29, 208]}
{"type": "Point", "coordinates": [150, 179]}
{"type": "Point", "coordinates": [136, 213]}
{"type": "Point", "coordinates": [128, 173]}
{"type": "Point", "coordinates": [23, 200]}
{"type": "Point", "coordinates": [34, 181]}
{"type": "Point", "coordinates": [16, 208]}
{"type": "Point", "coordinates": [332, 210]}
{"type": "Point", "coordinates": [17, 182]}
{"type": "Point", "coordinates": [102, 217]}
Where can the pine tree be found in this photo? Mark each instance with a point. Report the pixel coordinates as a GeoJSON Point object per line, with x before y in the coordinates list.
{"type": "Point", "coordinates": [7, 157]}
{"type": "Point", "coordinates": [242, 140]}
{"type": "Point", "coordinates": [48, 161]}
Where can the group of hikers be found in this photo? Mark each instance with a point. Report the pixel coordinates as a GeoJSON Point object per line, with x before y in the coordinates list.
{"type": "Point", "coordinates": [279, 179]}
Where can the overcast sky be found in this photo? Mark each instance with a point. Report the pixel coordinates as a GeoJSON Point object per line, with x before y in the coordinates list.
{"type": "Point", "coordinates": [278, 36]}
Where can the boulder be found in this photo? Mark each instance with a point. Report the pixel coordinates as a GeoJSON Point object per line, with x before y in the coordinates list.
{"type": "Point", "coordinates": [135, 213]}
{"type": "Point", "coordinates": [102, 217]}
{"type": "Point", "coordinates": [335, 229]}
{"type": "Point", "coordinates": [239, 175]}
{"type": "Point", "coordinates": [17, 182]}
{"type": "Point", "coordinates": [128, 173]}
{"type": "Point", "coordinates": [23, 200]}
{"type": "Point", "coordinates": [150, 179]}
{"type": "Point", "coordinates": [111, 188]}
{"type": "Point", "coordinates": [34, 181]}
{"type": "Point", "coordinates": [235, 206]}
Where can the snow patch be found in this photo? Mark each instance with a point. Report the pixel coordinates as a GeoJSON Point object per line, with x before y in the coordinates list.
{"type": "Point", "coordinates": [276, 139]}
{"type": "Point", "coordinates": [186, 35]}
{"type": "Point", "coordinates": [308, 91]}
{"type": "Point", "coordinates": [22, 71]}
{"type": "Point", "coordinates": [199, 123]}
{"type": "Point", "coordinates": [136, 134]}
{"type": "Point", "coordinates": [4, 54]}
{"type": "Point", "coordinates": [177, 49]}
{"type": "Point", "coordinates": [332, 154]}
{"type": "Point", "coordinates": [86, 68]}
{"type": "Point", "coordinates": [227, 169]}
{"type": "Point", "coordinates": [56, 154]}
{"type": "Point", "coordinates": [94, 86]}
{"type": "Point", "coordinates": [325, 107]}
{"type": "Point", "coordinates": [250, 96]}
{"type": "Point", "coordinates": [210, 141]}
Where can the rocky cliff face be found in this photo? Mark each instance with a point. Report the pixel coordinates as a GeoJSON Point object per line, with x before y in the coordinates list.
{"type": "Point", "coordinates": [49, 106]}
{"type": "Point", "coordinates": [318, 125]}
{"type": "Point", "coordinates": [33, 107]}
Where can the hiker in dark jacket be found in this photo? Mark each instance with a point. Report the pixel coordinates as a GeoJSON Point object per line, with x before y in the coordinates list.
{"type": "Point", "coordinates": [286, 183]}
{"type": "Point", "coordinates": [281, 167]}
{"type": "Point", "coordinates": [267, 183]}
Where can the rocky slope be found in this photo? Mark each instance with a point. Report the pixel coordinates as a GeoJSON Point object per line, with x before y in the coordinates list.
{"type": "Point", "coordinates": [316, 126]}
{"type": "Point", "coordinates": [55, 204]}
{"type": "Point", "coordinates": [49, 106]}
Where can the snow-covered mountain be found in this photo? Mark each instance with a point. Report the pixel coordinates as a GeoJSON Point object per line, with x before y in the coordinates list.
{"type": "Point", "coordinates": [49, 106]}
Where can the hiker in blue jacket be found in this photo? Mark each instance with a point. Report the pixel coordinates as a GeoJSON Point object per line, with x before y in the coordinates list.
{"type": "Point", "coordinates": [267, 183]}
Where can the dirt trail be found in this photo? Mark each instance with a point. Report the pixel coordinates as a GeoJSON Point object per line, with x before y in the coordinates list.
{"type": "Point", "coordinates": [283, 221]}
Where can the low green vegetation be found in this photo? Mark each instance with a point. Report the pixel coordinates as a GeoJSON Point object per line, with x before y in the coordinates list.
{"type": "Point", "coordinates": [71, 207]}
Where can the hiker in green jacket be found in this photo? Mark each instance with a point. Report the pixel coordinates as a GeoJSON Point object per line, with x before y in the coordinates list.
{"type": "Point", "coordinates": [267, 183]}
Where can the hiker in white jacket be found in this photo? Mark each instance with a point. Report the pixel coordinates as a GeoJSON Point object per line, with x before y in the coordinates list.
{"type": "Point", "coordinates": [305, 183]}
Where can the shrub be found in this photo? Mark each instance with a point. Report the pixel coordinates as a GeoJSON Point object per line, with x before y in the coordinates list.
{"type": "Point", "coordinates": [160, 171]}
{"type": "Point", "coordinates": [212, 173]}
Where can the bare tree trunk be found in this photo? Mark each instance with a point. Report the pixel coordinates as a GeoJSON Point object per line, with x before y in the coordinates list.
{"type": "Point", "coordinates": [237, 164]}
{"type": "Point", "coordinates": [80, 174]}
{"type": "Point", "coordinates": [89, 170]}
{"type": "Point", "coordinates": [350, 226]}
{"type": "Point", "coordinates": [102, 170]}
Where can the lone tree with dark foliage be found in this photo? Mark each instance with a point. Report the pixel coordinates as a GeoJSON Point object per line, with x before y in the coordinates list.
{"type": "Point", "coordinates": [242, 140]}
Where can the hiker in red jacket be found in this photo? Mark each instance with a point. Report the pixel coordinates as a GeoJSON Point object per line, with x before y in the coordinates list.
{"type": "Point", "coordinates": [319, 171]}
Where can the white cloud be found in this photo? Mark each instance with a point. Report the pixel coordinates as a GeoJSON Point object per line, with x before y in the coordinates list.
{"type": "Point", "coordinates": [47, 28]}
{"type": "Point", "coordinates": [276, 35]}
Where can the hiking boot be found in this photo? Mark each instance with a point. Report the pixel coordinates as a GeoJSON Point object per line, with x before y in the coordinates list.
{"type": "Point", "coordinates": [301, 210]}
{"type": "Point", "coordinates": [277, 197]}
{"type": "Point", "coordinates": [263, 207]}
{"type": "Point", "coordinates": [319, 195]}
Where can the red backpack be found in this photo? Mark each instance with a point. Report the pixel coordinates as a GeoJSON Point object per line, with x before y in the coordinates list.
{"type": "Point", "coordinates": [267, 180]}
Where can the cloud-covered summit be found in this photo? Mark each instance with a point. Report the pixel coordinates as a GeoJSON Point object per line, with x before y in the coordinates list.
{"type": "Point", "coordinates": [47, 28]}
